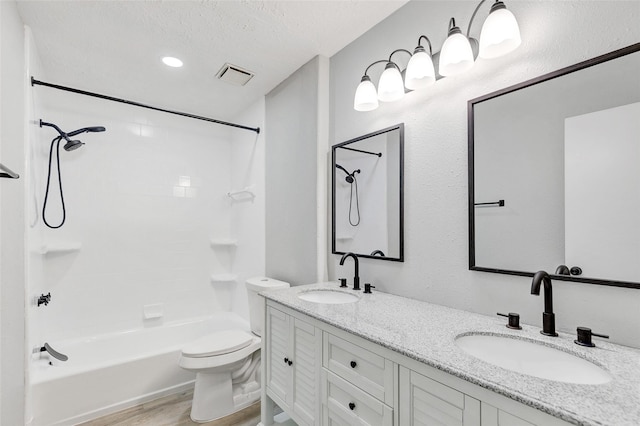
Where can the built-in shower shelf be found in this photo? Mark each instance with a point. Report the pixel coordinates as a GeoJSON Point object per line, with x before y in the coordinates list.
{"type": "Point", "coordinates": [224, 278]}
{"type": "Point", "coordinates": [223, 242]}
{"type": "Point", "coordinates": [59, 248]}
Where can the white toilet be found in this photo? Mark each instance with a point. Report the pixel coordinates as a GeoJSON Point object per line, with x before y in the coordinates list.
{"type": "Point", "coordinates": [227, 362]}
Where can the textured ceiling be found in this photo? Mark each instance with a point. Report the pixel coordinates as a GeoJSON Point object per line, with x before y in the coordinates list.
{"type": "Point", "coordinates": [115, 47]}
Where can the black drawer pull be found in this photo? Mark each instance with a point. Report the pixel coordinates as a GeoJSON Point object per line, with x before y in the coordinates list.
{"type": "Point", "coordinates": [353, 364]}
{"type": "Point", "coordinates": [290, 362]}
{"type": "Point", "coordinates": [352, 406]}
{"type": "Point", "coordinates": [286, 360]}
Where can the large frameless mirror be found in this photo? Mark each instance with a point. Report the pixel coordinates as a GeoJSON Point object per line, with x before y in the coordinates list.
{"type": "Point", "coordinates": [554, 174]}
{"type": "Point", "coordinates": [367, 195]}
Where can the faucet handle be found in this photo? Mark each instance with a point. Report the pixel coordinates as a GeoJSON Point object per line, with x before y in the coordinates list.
{"type": "Point", "coordinates": [368, 287]}
{"type": "Point", "coordinates": [514, 320]}
{"type": "Point", "coordinates": [584, 337]}
{"type": "Point", "coordinates": [343, 282]}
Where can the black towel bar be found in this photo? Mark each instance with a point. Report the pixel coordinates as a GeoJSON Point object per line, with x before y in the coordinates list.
{"type": "Point", "coordinates": [499, 203]}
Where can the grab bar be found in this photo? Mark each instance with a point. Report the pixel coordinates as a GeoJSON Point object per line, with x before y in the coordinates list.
{"type": "Point", "coordinates": [6, 172]}
{"type": "Point", "coordinates": [57, 355]}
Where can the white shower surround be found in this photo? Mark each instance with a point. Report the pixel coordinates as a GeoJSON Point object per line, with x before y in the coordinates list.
{"type": "Point", "coordinates": [108, 373]}
{"type": "Point", "coordinates": [144, 200]}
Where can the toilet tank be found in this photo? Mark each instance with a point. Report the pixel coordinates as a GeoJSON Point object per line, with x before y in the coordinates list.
{"type": "Point", "coordinates": [256, 303]}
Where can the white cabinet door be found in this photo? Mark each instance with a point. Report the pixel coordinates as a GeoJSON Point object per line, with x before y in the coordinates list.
{"type": "Point", "coordinates": [305, 367]}
{"type": "Point", "coordinates": [424, 401]}
{"type": "Point", "coordinates": [516, 414]}
{"type": "Point", "coordinates": [491, 416]}
{"type": "Point", "coordinates": [293, 365]}
{"type": "Point", "coordinates": [278, 349]}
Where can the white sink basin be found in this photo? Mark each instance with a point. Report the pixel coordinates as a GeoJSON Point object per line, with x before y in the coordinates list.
{"type": "Point", "coordinates": [328, 296]}
{"type": "Point", "coordinates": [533, 359]}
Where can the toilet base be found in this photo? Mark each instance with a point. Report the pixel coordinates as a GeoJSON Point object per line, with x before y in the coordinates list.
{"type": "Point", "coordinates": [216, 395]}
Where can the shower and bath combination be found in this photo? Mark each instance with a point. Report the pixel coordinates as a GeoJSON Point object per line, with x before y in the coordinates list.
{"type": "Point", "coordinates": [70, 145]}
{"type": "Point", "coordinates": [352, 181]}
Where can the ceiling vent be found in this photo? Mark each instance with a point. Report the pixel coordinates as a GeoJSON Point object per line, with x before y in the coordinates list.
{"type": "Point", "coordinates": [235, 75]}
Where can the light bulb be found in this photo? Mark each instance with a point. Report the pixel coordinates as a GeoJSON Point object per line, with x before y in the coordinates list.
{"type": "Point", "coordinates": [172, 62]}
{"type": "Point", "coordinates": [390, 86]}
{"type": "Point", "coordinates": [366, 98]}
{"type": "Point", "coordinates": [456, 55]}
{"type": "Point", "coordinates": [500, 32]}
{"type": "Point", "coordinates": [420, 71]}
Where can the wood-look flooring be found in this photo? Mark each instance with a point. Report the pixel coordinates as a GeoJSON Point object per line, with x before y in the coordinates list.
{"type": "Point", "coordinates": [173, 410]}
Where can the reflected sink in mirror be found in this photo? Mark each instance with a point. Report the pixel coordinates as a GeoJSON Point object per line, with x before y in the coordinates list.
{"type": "Point", "coordinates": [331, 297]}
{"type": "Point", "coordinates": [533, 359]}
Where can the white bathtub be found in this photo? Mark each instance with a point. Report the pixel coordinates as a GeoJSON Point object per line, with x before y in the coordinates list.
{"type": "Point", "coordinates": [111, 372]}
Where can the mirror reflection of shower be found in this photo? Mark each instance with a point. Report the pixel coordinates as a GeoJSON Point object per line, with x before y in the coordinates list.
{"type": "Point", "coordinates": [70, 145]}
{"type": "Point", "coordinates": [353, 182]}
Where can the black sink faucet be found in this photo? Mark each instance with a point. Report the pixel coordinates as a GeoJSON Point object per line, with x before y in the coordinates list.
{"type": "Point", "coordinates": [548, 317]}
{"type": "Point", "coordinates": [356, 278]}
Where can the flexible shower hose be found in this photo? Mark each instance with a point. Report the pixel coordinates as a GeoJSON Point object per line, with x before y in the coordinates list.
{"type": "Point", "coordinates": [55, 141]}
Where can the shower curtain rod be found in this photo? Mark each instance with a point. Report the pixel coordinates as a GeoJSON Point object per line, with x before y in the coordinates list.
{"type": "Point", "coordinates": [124, 101]}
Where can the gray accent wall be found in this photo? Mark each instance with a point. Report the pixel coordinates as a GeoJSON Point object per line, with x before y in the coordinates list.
{"type": "Point", "coordinates": [291, 172]}
{"type": "Point", "coordinates": [436, 269]}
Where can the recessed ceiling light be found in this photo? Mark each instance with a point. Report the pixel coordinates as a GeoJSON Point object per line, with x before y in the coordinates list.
{"type": "Point", "coordinates": [172, 62]}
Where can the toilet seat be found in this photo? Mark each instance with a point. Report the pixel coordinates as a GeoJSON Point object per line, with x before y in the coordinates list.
{"type": "Point", "coordinates": [229, 348]}
{"type": "Point", "coordinates": [219, 343]}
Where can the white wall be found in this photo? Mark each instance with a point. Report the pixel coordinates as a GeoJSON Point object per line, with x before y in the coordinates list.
{"type": "Point", "coordinates": [602, 181]}
{"type": "Point", "coordinates": [294, 127]}
{"type": "Point", "coordinates": [248, 216]}
{"type": "Point", "coordinates": [144, 200]}
{"type": "Point", "coordinates": [12, 214]}
{"type": "Point", "coordinates": [555, 35]}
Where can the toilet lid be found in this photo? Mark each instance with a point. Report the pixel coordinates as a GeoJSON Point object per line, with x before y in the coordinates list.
{"type": "Point", "coordinates": [221, 342]}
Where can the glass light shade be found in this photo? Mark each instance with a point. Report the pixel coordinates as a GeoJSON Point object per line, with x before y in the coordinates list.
{"type": "Point", "coordinates": [420, 71]}
{"type": "Point", "coordinates": [366, 98]}
{"type": "Point", "coordinates": [500, 34]}
{"type": "Point", "coordinates": [456, 56]}
{"type": "Point", "coordinates": [390, 86]}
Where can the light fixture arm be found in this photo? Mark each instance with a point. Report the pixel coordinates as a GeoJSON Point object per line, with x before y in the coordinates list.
{"type": "Point", "coordinates": [396, 51]}
{"type": "Point", "coordinates": [428, 42]}
{"type": "Point", "coordinates": [382, 61]}
{"type": "Point", "coordinates": [473, 15]}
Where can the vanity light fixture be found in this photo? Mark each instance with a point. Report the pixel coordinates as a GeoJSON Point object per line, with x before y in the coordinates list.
{"type": "Point", "coordinates": [456, 55]}
{"type": "Point", "coordinates": [420, 70]}
{"type": "Point", "coordinates": [391, 85]}
{"type": "Point", "coordinates": [500, 32]}
{"type": "Point", "coordinates": [500, 35]}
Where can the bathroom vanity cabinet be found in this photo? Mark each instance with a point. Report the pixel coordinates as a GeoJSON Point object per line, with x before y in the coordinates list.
{"type": "Point", "coordinates": [322, 375]}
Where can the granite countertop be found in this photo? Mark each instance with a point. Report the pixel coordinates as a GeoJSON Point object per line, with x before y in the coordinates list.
{"type": "Point", "coordinates": [427, 332]}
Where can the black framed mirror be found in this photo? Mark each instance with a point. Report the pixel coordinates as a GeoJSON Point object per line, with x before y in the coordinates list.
{"type": "Point", "coordinates": [554, 176]}
{"type": "Point", "coordinates": [367, 208]}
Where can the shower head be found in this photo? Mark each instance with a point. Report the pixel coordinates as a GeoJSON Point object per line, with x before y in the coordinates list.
{"type": "Point", "coordinates": [350, 176]}
{"type": "Point", "coordinates": [72, 145]}
{"type": "Point", "coordinates": [87, 130]}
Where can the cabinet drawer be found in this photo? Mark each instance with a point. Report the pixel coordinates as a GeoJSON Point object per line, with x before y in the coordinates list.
{"type": "Point", "coordinates": [345, 404]}
{"type": "Point", "coordinates": [370, 372]}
